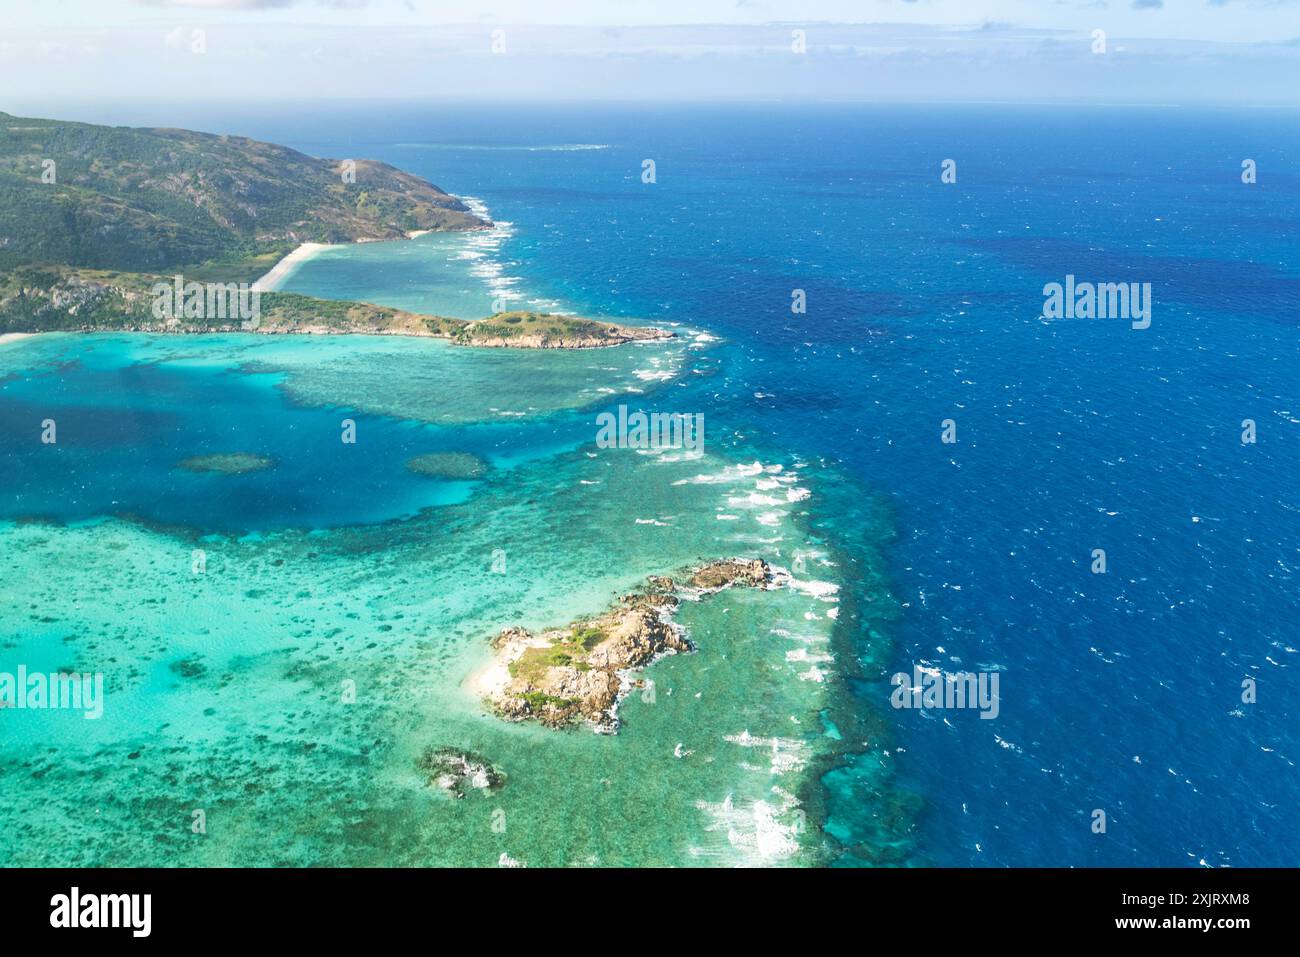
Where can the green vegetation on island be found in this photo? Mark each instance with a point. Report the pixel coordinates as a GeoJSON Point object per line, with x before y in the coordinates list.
{"type": "Point", "coordinates": [75, 299]}
{"type": "Point", "coordinates": [149, 200]}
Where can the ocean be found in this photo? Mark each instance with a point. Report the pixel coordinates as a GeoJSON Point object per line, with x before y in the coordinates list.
{"type": "Point", "coordinates": [777, 742]}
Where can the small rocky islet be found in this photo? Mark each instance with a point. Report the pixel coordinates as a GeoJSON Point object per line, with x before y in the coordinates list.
{"type": "Point", "coordinates": [580, 672]}
{"type": "Point", "coordinates": [459, 772]}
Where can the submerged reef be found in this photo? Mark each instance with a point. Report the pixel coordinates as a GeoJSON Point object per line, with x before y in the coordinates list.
{"type": "Point", "coordinates": [227, 463]}
{"type": "Point", "coordinates": [448, 465]}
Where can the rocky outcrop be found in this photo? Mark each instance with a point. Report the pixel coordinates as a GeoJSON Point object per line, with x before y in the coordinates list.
{"type": "Point", "coordinates": [573, 673]}
{"type": "Point", "coordinates": [459, 772]}
{"type": "Point", "coordinates": [581, 671]}
{"type": "Point", "coordinates": [733, 571]}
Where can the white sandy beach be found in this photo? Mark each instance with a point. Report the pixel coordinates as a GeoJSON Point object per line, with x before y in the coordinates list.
{"type": "Point", "coordinates": [286, 265]}
{"type": "Point", "coordinates": [15, 336]}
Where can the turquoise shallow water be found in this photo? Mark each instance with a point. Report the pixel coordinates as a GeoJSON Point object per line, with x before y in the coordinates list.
{"type": "Point", "coordinates": [128, 409]}
{"type": "Point", "coordinates": [465, 276]}
{"type": "Point", "coordinates": [255, 731]}
{"type": "Point", "coordinates": [336, 568]}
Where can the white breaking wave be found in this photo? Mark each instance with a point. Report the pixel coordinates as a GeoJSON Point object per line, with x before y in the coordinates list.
{"type": "Point", "coordinates": [761, 831]}
{"type": "Point", "coordinates": [788, 754]}
{"type": "Point", "coordinates": [817, 589]}
{"type": "Point", "coordinates": [482, 249]}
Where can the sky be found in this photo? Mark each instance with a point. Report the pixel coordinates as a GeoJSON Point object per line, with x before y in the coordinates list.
{"type": "Point", "coordinates": [1234, 52]}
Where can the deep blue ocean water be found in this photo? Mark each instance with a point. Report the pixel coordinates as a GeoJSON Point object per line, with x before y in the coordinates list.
{"type": "Point", "coordinates": [1120, 692]}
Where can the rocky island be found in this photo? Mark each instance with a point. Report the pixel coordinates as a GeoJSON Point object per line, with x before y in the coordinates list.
{"type": "Point", "coordinates": [581, 671]}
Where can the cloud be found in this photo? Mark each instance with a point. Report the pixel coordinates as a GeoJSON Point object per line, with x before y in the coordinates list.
{"type": "Point", "coordinates": [1148, 4]}
{"type": "Point", "coordinates": [247, 4]}
{"type": "Point", "coordinates": [218, 4]}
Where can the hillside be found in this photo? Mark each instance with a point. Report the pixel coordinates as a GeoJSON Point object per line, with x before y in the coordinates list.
{"type": "Point", "coordinates": [156, 199]}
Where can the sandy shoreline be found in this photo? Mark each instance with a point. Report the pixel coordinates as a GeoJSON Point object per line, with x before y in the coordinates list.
{"type": "Point", "coordinates": [15, 336]}
{"type": "Point", "coordinates": [281, 270]}
{"type": "Point", "coordinates": [286, 265]}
